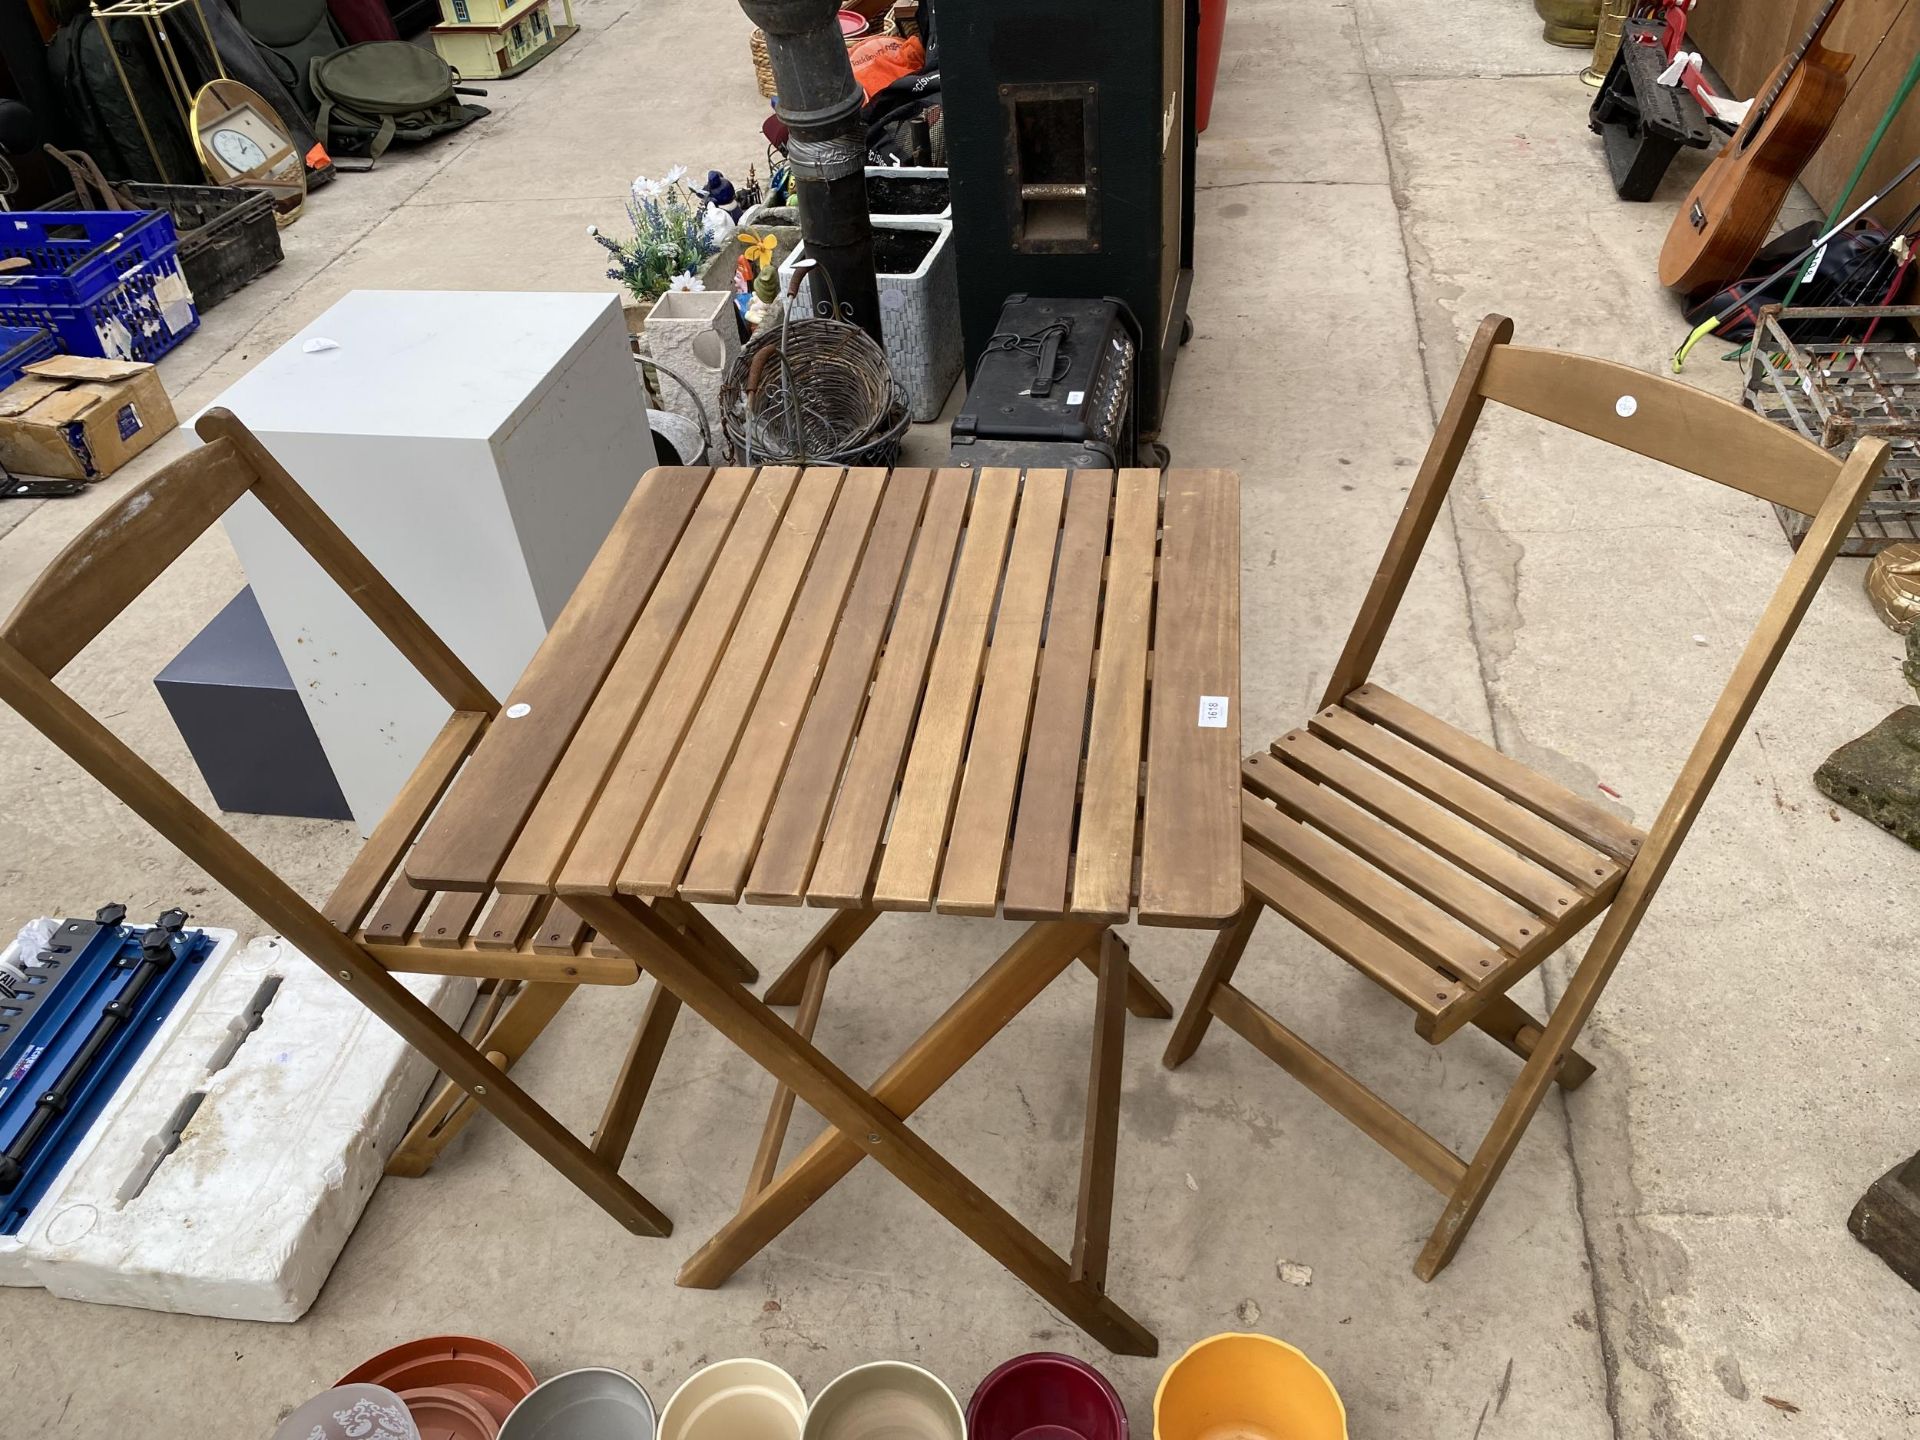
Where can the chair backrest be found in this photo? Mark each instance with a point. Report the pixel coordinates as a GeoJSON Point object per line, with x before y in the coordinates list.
{"type": "Point", "coordinates": [1662, 419]}
{"type": "Point", "coordinates": [110, 564]}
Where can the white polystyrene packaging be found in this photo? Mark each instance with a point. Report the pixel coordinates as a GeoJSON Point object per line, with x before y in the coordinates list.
{"type": "Point", "coordinates": [19, 957]}
{"type": "Point", "coordinates": [245, 1219]}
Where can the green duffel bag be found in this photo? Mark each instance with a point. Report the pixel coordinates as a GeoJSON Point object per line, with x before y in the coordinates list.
{"type": "Point", "coordinates": [385, 90]}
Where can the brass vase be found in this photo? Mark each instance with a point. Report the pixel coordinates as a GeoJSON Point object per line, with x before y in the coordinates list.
{"type": "Point", "coordinates": [1572, 23]}
{"type": "Point", "coordinates": [1607, 39]}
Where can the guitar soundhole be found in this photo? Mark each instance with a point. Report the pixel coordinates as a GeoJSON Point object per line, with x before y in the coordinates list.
{"type": "Point", "coordinates": [1698, 216]}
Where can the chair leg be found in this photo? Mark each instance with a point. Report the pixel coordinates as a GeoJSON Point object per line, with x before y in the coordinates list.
{"type": "Point", "coordinates": [1514, 1028]}
{"type": "Point", "coordinates": [1554, 1048]}
{"type": "Point", "coordinates": [1222, 960]}
{"type": "Point", "coordinates": [506, 1040]}
{"type": "Point", "coordinates": [415, 1153]}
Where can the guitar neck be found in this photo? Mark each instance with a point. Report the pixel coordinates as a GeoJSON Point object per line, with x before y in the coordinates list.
{"type": "Point", "coordinates": [1807, 41]}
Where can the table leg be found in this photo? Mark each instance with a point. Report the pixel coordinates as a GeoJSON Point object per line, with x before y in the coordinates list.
{"type": "Point", "coordinates": [629, 1094]}
{"type": "Point", "coordinates": [1100, 1147]}
{"type": "Point", "coordinates": [780, 1113]}
{"type": "Point", "coordinates": [836, 937]}
{"type": "Point", "coordinates": [509, 1036]}
{"type": "Point", "coordinates": [832, 940]}
{"type": "Point", "coordinates": [1007, 987]}
{"type": "Point", "coordinates": [686, 918]}
{"type": "Point", "coordinates": [1143, 999]}
{"type": "Point", "coordinates": [866, 1120]}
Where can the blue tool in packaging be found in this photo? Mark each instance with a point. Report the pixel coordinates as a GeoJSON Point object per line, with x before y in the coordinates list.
{"type": "Point", "coordinates": [74, 1018]}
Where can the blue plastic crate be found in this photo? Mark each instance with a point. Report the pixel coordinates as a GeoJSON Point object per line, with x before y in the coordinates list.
{"type": "Point", "coordinates": [105, 282]}
{"type": "Point", "coordinates": [19, 348]}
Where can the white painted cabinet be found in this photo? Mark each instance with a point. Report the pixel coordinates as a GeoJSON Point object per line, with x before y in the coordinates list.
{"type": "Point", "coordinates": [478, 448]}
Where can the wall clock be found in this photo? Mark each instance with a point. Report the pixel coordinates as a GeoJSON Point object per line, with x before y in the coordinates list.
{"type": "Point", "coordinates": [243, 142]}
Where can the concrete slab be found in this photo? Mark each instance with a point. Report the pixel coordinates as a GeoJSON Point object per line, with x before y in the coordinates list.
{"type": "Point", "coordinates": [1460, 37]}
{"type": "Point", "coordinates": [1611, 597]}
{"type": "Point", "coordinates": [1320, 126]}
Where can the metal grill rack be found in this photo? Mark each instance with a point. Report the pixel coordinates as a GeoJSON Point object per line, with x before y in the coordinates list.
{"type": "Point", "coordinates": [1834, 393]}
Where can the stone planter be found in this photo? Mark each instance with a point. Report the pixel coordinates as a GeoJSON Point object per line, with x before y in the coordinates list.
{"type": "Point", "coordinates": [919, 311]}
{"type": "Point", "coordinates": [918, 192]}
{"type": "Point", "coordinates": [696, 334]}
{"type": "Point", "coordinates": [783, 224]}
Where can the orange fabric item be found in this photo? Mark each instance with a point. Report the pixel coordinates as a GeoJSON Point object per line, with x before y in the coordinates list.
{"type": "Point", "coordinates": [878, 62]}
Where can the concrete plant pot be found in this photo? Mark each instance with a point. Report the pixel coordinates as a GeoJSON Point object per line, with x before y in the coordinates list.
{"type": "Point", "coordinates": [696, 334]}
{"type": "Point", "coordinates": [782, 222]}
{"type": "Point", "coordinates": [919, 311]}
{"type": "Point", "coordinates": [916, 192]}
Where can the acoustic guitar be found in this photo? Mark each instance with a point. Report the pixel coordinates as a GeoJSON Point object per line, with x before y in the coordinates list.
{"type": "Point", "coordinates": [1731, 210]}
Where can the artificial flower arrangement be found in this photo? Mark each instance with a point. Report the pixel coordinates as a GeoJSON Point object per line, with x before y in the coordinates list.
{"type": "Point", "coordinates": [675, 232]}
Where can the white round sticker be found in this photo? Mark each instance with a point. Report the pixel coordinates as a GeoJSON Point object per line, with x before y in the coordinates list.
{"type": "Point", "coordinates": [1625, 406]}
{"type": "Point", "coordinates": [514, 712]}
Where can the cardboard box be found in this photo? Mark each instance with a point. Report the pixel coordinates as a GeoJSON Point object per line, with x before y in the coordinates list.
{"type": "Point", "coordinates": [75, 417]}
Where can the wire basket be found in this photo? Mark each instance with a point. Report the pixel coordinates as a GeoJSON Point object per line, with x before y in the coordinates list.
{"type": "Point", "coordinates": [815, 390]}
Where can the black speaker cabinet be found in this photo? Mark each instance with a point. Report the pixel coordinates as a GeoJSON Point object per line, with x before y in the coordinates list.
{"type": "Point", "coordinates": [1070, 144]}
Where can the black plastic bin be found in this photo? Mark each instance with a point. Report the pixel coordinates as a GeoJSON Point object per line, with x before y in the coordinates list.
{"type": "Point", "coordinates": [228, 236]}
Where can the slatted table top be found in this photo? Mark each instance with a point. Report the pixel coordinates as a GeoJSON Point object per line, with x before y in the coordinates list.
{"type": "Point", "coordinates": [981, 693]}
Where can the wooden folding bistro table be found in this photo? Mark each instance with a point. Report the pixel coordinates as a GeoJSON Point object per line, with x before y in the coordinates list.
{"type": "Point", "coordinates": [866, 690]}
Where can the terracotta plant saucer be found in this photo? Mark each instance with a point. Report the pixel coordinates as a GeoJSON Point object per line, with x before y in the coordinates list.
{"type": "Point", "coordinates": [490, 1374]}
{"type": "Point", "coordinates": [449, 1412]}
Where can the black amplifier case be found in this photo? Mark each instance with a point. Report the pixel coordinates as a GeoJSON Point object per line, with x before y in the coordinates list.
{"type": "Point", "coordinates": [1070, 146]}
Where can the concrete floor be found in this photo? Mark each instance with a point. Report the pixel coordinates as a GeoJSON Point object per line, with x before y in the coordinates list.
{"type": "Point", "coordinates": [1667, 1251]}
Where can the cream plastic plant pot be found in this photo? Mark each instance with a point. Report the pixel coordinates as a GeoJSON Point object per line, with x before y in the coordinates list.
{"type": "Point", "coordinates": [886, 1400]}
{"type": "Point", "coordinates": [736, 1400]}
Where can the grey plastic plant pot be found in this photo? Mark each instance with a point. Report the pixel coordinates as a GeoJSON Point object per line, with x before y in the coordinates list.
{"type": "Point", "coordinates": [590, 1404]}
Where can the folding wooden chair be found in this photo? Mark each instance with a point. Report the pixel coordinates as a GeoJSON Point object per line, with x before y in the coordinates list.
{"type": "Point", "coordinates": [1438, 867]}
{"type": "Point", "coordinates": [376, 924]}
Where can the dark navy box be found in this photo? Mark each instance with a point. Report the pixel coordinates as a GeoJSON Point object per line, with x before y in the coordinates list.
{"type": "Point", "coordinates": [231, 696]}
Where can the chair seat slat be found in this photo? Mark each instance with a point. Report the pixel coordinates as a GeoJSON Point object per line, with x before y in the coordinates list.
{"type": "Point", "coordinates": [1353, 939]}
{"type": "Point", "coordinates": [1582, 818]}
{"type": "Point", "coordinates": [450, 922]}
{"type": "Point", "coordinates": [1472, 849]}
{"type": "Point", "coordinates": [1572, 860]}
{"type": "Point", "coordinates": [1389, 907]}
{"type": "Point", "coordinates": [1492, 914]}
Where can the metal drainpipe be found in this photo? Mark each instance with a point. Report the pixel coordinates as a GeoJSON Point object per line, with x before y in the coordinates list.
{"type": "Point", "coordinates": [820, 103]}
